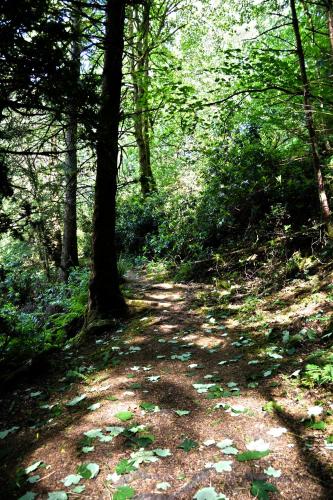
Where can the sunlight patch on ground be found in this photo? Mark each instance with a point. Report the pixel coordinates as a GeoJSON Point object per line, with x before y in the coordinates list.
{"type": "Point", "coordinates": [167, 328]}
{"type": "Point", "coordinates": [172, 297]}
{"type": "Point", "coordinates": [164, 286]}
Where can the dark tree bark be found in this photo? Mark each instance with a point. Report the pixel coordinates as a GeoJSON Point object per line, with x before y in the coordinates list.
{"type": "Point", "coordinates": [69, 252]}
{"type": "Point", "coordinates": [140, 75]}
{"type": "Point", "coordinates": [105, 299]}
{"type": "Point", "coordinates": [309, 119]}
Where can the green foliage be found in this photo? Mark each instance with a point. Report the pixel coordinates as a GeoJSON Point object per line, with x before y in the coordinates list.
{"type": "Point", "coordinates": [272, 406]}
{"type": "Point", "coordinates": [251, 455]}
{"type": "Point", "coordinates": [261, 489]}
{"type": "Point", "coordinates": [244, 184]}
{"type": "Point", "coordinates": [88, 471]}
{"type": "Point", "coordinates": [124, 493]}
{"type": "Point", "coordinates": [318, 374]}
{"type": "Point", "coordinates": [124, 415]}
{"type": "Point", "coordinates": [124, 467]}
{"type": "Point", "coordinates": [320, 369]}
{"type": "Point", "coordinates": [188, 445]}
{"type": "Point", "coordinates": [35, 313]}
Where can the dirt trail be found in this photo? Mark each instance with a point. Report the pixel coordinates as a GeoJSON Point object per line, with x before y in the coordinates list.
{"type": "Point", "coordinates": [156, 358]}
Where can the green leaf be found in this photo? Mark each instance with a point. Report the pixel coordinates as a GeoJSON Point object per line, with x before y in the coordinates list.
{"type": "Point", "coordinates": [163, 486]}
{"type": "Point", "coordinates": [272, 406]}
{"type": "Point", "coordinates": [33, 467]}
{"type": "Point", "coordinates": [88, 471]}
{"type": "Point", "coordinates": [29, 495]}
{"type": "Point", "coordinates": [124, 493]}
{"type": "Point", "coordinates": [270, 471]}
{"type": "Point", "coordinates": [182, 413]}
{"type": "Point", "coordinates": [112, 398]}
{"type": "Point", "coordinates": [76, 400]}
{"type": "Point", "coordinates": [135, 385]}
{"type": "Point", "coordinates": [57, 495]}
{"type": "Point", "coordinates": [317, 426]}
{"type": "Point", "coordinates": [188, 445]}
{"type": "Point", "coordinates": [143, 439]}
{"type": "Point", "coordinates": [153, 378]}
{"type": "Point", "coordinates": [261, 489]}
{"type": "Point", "coordinates": [124, 415]}
{"type": "Point", "coordinates": [150, 407]}
{"type": "Point", "coordinates": [71, 479]}
{"type": "Point", "coordinates": [329, 439]}
{"type": "Point", "coordinates": [125, 467]}
{"type": "Point", "coordinates": [251, 455]}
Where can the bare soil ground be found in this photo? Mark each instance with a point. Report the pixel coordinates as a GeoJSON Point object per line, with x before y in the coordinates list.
{"type": "Point", "coordinates": [176, 339]}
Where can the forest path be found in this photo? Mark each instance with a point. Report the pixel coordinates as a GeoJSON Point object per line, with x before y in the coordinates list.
{"type": "Point", "coordinates": [170, 401]}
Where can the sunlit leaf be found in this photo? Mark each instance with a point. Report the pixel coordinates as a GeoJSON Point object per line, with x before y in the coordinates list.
{"type": "Point", "coordinates": [222, 466]}
{"type": "Point", "coordinates": [29, 495]}
{"type": "Point", "coordinates": [94, 407]}
{"type": "Point", "coordinates": [71, 479]}
{"type": "Point", "coordinates": [162, 452]}
{"type": "Point", "coordinates": [79, 489]}
{"type": "Point", "coordinates": [182, 413]}
{"type": "Point", "coordinates": [76, 400]}
{"type": "Point", "coordinates": [57, 495]}
{"type": "Point", "coordinates": [258, 445]}
{"type": "Point", "coordinates": [124, 416]}
{"type": "Point", "coordinates": [33, 467]}
{"type": "Point", "coordinates": [163, 486]}
{"type": "Point", "coordinates": [88, 471]}
{"type": "Point", "coordinates": [209, 494]}
{"type": "Point", "coordinates": [270, 471]}
{"type": "Point", "coordinates": [88, 449]}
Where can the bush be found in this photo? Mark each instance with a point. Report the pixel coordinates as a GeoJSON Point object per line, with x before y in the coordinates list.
{"type": "Point", "coordinates": [245, 190]}
{"type": "Point", "coordinates": [35, 314]}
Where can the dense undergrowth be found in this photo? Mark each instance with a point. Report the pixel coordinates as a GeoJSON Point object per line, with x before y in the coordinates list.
{"type": "Point", "coordinates": [37, 314]}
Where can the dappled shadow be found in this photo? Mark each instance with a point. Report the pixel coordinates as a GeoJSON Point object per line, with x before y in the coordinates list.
{"type": "Point", "coordinates": [166, 333]}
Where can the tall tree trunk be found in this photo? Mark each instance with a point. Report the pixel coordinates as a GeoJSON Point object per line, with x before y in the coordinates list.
{"type": "Point", "coordinates": [309, 119]}
{"type": "Point", "coordinates": [140, 75]}
{"type": "Point", "coordinates": [105, 298]}
{"type": "Point", "coordinates": [69, 252]}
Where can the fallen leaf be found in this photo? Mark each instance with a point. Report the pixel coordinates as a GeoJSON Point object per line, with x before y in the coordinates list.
{"type": "Point", "coordinates": [76, 400]}
{"type": "Point", "coordinates": [270, 471]}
